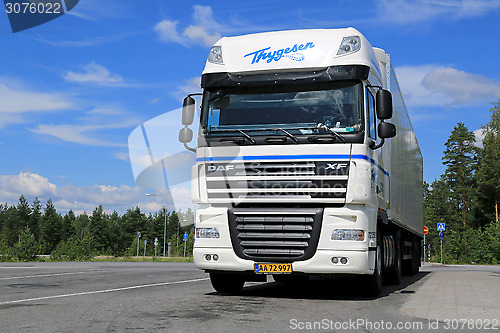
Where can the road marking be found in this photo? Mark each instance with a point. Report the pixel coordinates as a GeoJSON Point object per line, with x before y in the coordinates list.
{"type": "Point", "coordinates": [43, 275]}
{"type": "Point", "coordinates": [102, 291]}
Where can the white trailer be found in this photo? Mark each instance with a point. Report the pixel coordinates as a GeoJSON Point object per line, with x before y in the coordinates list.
{"type": "Point", "coordinates": [295, 173]}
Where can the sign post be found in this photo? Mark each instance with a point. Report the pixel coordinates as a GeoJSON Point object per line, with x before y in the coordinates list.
{"type": "Point", "coordinates": [138, 237]}
{"type": "Point", "coordinates": [145, 243]}
{"type": "Point", "coordinates": [441, 227]}
{"type": "Point", "coordinates": [426, 231]}
{"type": "Point", "coordinates": [185, 238]}
{"type": "Point", "coordinates": [441, 235]}
{"type": "Point", "coordinates": [429, 253]}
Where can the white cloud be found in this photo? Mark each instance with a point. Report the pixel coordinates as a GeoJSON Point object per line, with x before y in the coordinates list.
{"type": "Point", "coordinates": [86, 198]}
{"type": "Point", "coordinates": [430, 85]}
{"type": "Point", "coordinates": [16, 100]}
{"type": "Point", "coordinates": [204, 31]}
{"type": "Point", "coordinates": [167, 31]}
{"type": "Point", "coordinates": [479, 134]}
{"type": "Point", "coordinates": [26, 183]}
{"type": "Point", "coordinates": [405, 12]}
{"type": "Point", "coordinates": [79, 133]}
{"type": "Point", "coordinates": [94, 73]}
{"type": "Point", "coordinates": [462, 87]}
{"type": "Point", "coordinates": [201, 35]}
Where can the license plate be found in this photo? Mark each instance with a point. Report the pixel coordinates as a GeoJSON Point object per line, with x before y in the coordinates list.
{"type": "Point", "coordinates": [273, 268]}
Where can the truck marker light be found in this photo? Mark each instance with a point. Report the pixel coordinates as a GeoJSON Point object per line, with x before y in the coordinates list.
{"type": "Point", "coordinates": [349, 45]}
{"type": "Point", "coordinates": [215, 55]}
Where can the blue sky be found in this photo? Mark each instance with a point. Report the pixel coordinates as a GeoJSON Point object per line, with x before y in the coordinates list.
{"type": "Point", "coordinates": [73, 89]}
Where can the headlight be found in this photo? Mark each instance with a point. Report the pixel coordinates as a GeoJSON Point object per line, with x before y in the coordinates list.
{"type": "Point", "coordinates": [207, 233]}
{"type": "Point", "coordinates": [349, 45]}
{"type": "Point", "coordinates": [348, 234]}
{"type": "Point", "coordinates": [215, 55]}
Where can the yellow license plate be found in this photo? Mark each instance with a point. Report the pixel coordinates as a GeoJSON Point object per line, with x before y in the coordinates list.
{"type": "Point", "coordinates": [272, 268]}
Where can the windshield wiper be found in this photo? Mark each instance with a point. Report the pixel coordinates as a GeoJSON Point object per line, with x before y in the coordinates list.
{"type": "Point", "coordinates": [288, 134]}
{"type": "Point", "coordinates": [245, 135]}
{"type": "Point", "coordinates": [337, 135]}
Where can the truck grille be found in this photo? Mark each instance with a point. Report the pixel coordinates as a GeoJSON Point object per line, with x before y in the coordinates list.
{"type": "Point", "coordinates": [272, 235]}
{"type": "Point", "coordinates": [321, 182]}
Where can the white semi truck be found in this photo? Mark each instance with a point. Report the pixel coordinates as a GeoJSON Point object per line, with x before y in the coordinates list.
{"type": "Point", "coordinates": [295, 174]}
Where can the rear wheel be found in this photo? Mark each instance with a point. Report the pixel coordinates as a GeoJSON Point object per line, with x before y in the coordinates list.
{"type": "Point", "coordinates": [394, 274]}
{"type": "Point", "coordinates": [227, 283]}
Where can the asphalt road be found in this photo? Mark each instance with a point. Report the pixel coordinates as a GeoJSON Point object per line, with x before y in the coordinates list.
{"type": "Point", "coordinates": [175, 297]}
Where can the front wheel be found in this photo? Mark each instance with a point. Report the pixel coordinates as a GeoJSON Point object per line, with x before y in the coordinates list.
{"type": "Point", "coordinates": [226, 283]}
{"type": "Point", "coordinates": [374, 282]}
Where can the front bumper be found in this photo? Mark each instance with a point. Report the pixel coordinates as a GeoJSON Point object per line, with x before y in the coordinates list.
{"type": "Point", "coordinates": [320, 263]}
{"type": "Point", "coordinates": [359, 259]}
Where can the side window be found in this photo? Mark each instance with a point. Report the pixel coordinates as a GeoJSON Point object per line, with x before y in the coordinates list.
{"type": "Point", "coordinates": [371, 118]}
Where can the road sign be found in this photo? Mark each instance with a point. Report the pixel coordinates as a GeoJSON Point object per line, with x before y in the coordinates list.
{"type": "Point", "coordinates": [138, 234]}
{"type": "Point", "coordinates": [185, 237]}
{"type": "Point", "coordinates": [441, 234]}
{"type": "Point", "coordinates": [426, 230]}
{"type": "Point", "coordinates": [156, 239]}
{"type": "Point", "coordinates": [441, 227]}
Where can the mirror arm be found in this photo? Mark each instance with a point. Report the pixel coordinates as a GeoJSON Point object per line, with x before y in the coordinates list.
{"type": "Point", "coordinates": [189, 148]}
{"type": "Point", "coordinates": [373, 146]}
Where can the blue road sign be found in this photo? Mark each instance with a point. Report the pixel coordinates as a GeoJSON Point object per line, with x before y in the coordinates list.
{"type": "Point", "coordinates": [185, 237]}
{"type": "Point", "coordinates": [156, 239]}
{"type": "Point", "coordinates": [441, 227]}
{"type": "Point", "coordinates": [441, 234]}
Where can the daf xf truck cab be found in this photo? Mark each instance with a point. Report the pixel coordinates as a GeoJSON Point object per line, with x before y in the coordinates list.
{"type": "Point", "coordinates": [306, 162]}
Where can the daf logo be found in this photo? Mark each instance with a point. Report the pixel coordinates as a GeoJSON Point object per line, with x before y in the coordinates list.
{"type": "Point", "coordinates": [335, 166]}
{"type": "Point", "coordinates": [214, 168]}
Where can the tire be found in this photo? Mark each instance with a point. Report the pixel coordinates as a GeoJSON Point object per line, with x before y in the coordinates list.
{"type": "Point", "coordinates": [374, 281]}
{"type": "Point", "coordinates": [226, 283]}
{"type": "Point", "coordinates": [394, 274]}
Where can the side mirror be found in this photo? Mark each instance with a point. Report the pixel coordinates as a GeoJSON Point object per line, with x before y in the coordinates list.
{"type": "Point", "coordinates": [384, 104]}
{"type": "Point", "coordinates": [188, 111]}
{"type": "Point", "coordinates": [185, 135]}
{"type": "Point", "coordinates": [386, 130]}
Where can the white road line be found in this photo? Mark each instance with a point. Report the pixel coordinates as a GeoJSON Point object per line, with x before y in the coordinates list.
{"type": "Point", "coordinates": [102, 291]}
{"type": "Point", "coordinates": [43, 275]}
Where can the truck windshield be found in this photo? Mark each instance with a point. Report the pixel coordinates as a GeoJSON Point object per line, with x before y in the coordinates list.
{"type": "Point", "coordinates": [337, 105]}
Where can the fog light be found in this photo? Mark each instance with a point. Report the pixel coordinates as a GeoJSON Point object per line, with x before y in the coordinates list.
{"type": "Point", "coordinates": [215, 257]}
{"type": "Point", "coordinates": [208, 257]}
{"type": "Point", "coordinates": [343, 260]}
{"type": "Point", "coordinates": [335, 260]}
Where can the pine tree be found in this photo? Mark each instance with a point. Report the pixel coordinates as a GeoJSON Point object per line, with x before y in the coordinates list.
{"type": "Point", "coordinates": [460, 161]}
{"type": "Point", "coordinates": [50, 228]}
{"type": "Point", "coordinates": [23, 214]}
{"type": "Point", "coordinates": [488, 173]}
{"type": "Point", "coordinates": [98, 229]}
{"type": "Point", "coordinates": [36, 218]}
